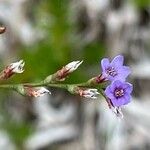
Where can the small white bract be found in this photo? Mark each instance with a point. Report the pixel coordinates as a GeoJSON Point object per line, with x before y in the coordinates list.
{"type": "Point", "coordinates": [73, 66]}
{"type": "Point", "coordinates": [90, 93]}
{"type": "Point", "coordinates": [17, 67]}
{"type": "Point", "coordinates": [36, 92]}
{"type": "Point", "coordinates": [42, 91]}
{"type": "Point", "coordinates": [117, 111]}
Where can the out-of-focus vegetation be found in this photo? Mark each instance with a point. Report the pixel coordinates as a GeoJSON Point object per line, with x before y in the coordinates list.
{"type": "Point", "coordinates": [61, 43]}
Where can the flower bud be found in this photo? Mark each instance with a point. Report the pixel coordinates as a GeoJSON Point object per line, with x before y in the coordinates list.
{"type": "Point", "coordinates": [36, 92]}
{"type": "Point", "coordinates": [97, 80]}
{"type": "Point", "coordinates": [11, 69]}
{"type": "Point", "coordinates": [72, 66]}
{"type": "Point", "coordinates": [65, 71]}
{"type": "Point", "coordinates": [61, 74]}
{"type": "Point", "coordinates": [32, 91]}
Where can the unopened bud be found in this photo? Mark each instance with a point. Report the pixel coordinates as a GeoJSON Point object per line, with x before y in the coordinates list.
{"type": "Point", "coordinates": [11, 69]}
{"type": "Point", "coordinates": [36, 92]}
{"type": "Point", "coordinates": [87, 93]}
{"type": "Point", "coordinates": [61, 74]}
{"type": "Point", "coordinates": [32, 91]}
{"type": "Point", "coordinates": [72, 66]}
{"type": "Point", "coordinates": [97, 80]}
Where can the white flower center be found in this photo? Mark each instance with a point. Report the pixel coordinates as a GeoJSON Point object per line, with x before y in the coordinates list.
{"type": "Point", "coordinates": [111, 71]}
{"type": "Point", "coordinates": [119, 93]}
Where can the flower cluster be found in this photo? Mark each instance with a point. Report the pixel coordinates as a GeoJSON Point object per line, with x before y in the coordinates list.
{"type": "Point", "coordinates": [118, 93]}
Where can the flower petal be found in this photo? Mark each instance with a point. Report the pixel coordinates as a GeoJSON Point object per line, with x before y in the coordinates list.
{"type": "Point", "coordinates": [123, 72]}
{"type": "Point", "coordinates": [109, 92]}
{"type": "Point", "coordinates": [118, 102]}
{"type": "Point", "coordinates": [115, 84]}
{"type": "Point", "coordinates": [117, 61]}
{"type": "Point", "coordinates": [127, 98]}
{"type": "Point", "coordinates": [128, 87]}
{"type": "Point", "coordinates": [115, 102]}
{"type": "Point", "coordinates": [105, 63]}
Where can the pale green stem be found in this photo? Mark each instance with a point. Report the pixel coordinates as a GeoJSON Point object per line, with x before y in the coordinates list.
{"type": "Point", "coordinates": [69, 87]}
{"type": "Point", "coordinates": [57, 85]}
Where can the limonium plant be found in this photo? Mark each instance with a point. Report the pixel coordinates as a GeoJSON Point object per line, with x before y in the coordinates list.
{"type": "Point", "coordinates": [110, 83]}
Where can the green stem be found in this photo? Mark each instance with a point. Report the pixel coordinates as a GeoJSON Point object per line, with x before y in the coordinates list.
{"type": "Point", "coordinates": [57, 85]}
{"type": "Point", "coordinates": [8, 86]}
{"type": "Point", "coordinates": [69, 87]}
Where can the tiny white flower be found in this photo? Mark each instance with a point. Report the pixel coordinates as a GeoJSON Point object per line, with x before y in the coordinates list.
{"type": "Point", "coordinates": [73, 66]}
{"type": "Point", "coordinates": [17, 67]}
{"type": "Point", "coordinates": [89, 93]}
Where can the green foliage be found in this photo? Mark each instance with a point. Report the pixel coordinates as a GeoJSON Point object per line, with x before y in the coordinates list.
{"type": "Point", "coordinates": [94, 52]}
{"type": "Point", "coordinates": [58, 46]}
{"type": "Point", "coordinates": [18, 132]}
{"type": "Point", "coordinates": [142, 3]}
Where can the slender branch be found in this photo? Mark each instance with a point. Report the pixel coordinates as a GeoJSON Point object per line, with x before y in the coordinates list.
{"type": "Point", "coordinates": [57, 85]}
{"type": "Point", "coordinates": [85, 89]}
{"type": "Point", "coordinates": [8, 86]}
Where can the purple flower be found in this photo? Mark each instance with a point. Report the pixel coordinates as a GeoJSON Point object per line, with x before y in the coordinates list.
{"type": "Point", "coordinates": [119, 93]}
{"type": "Point", "coordinates": [114, 70]}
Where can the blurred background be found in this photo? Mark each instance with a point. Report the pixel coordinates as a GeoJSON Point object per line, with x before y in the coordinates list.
{"type": "Point", "coordinates": [48, 34]}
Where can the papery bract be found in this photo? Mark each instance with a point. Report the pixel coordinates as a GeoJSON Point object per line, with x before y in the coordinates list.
{"type": "Point", "coordinates": [36, 92]}
{"type": "Point", "coordinates": [61, 74]}
{"type": "Point", "coordinates": [88, 93]}
{"type": "Point", "coordinates": [11, 69]}
{"type": "Point", "coordinates": [73, 66]}
{"type": "Point", "coordinates": [116, 110]}
{"type": "Point", "coordinates": [17, 67]}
